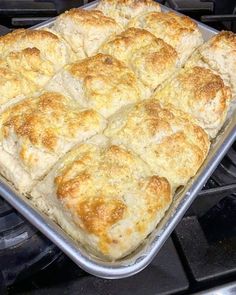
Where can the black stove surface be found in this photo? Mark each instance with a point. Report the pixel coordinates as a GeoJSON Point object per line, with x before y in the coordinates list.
{"type": "Point", "coordinates": [164, 276]}
{"type": "Point", "coordinates": [208, 244]}
{"type": "Point", "coordinates": [23, 250]}
{"type": "Point", "coordinates": [200, 254]}
{"type": "Point", "coordinates": [25, 13]}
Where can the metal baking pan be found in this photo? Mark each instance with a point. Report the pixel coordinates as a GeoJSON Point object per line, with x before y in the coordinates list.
{"type": "Point", "coordinates": [144, 254]}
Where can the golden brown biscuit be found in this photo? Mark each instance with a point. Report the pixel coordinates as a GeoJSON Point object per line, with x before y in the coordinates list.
{"type": "Point", "coordinates": [166, 138]}
{"type": "Point", "coordinates": [218, 54]}
{"type": "Point", "coordinates": [200, 93]}
{"type": "Point", "coordinates": [100, 82]}
{"type": "Point", "coordinates": [85, 30]}
{"type": "Point", "coordinates": [104, 197]}
{"type": "Point", "coordinates": [34, 54]}
{"type": "Point", "coordinates": [30, 64]}
{"type": "Point", "coordinates": [35, 133]}
{"type": "Point", "coordinates": [51, 47]}
{"type": "Point", "coordinates": [151, 59]}
{"type": "Point", "coordinates": [123, 10]}
{"type": "Point", "coordinates": [177, 30]}
{"type": "Point", "coordinates": [13, 87]}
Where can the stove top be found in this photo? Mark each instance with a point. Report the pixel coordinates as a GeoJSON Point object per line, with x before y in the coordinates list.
{"type": "Point", "coordinates": [23, 250]}
{"type": "Point", "coordinates": [199, 255]}
{"type": "Point", "coordinates": [25, 13]}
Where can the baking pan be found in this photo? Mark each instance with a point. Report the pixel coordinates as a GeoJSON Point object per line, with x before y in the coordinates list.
{"type": "Point", "coordinates": [144, 254]}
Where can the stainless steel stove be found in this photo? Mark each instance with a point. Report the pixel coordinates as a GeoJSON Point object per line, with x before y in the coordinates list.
{"type": "Point", "coordinates": [200, 256]}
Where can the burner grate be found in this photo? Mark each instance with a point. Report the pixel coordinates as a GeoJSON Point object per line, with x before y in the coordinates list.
{"type": "Point", "coordinates": [23, 250]}
{"type": "Point", "coordinates": [226, 171]}
{"type": "Point", "coordinates": [207, 244]}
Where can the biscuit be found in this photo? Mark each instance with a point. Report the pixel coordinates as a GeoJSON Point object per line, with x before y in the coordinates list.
{"type": "Point", "coordinates": [200, 93]}
{"type": "Point", "coordinates": [179, 31]}
{"type": "Point", "coordinates": [151, 59]}
{"type": "Point", "coordinates": [123, 10]}
{"type": "Point", "coordinates": [169, 140]}
{"type": "Point", "coordinates": [100, 82]}
{"type": "Point", "coordinates": [218, 54]}
{"type": "Point", "coordinates": [104, 197]}
{"type": "Point", "coordinates": [85, 30]}
{"type": "Point", "coordinates": [30, 64]}
{"type": "Point", "coordinates": [52, 48]}
{"type": "Point", "coordinates": [36, 132]}
{"type": "Point", "coordinates": [13, 87]}
{"type": "Point", "coordinates": [33, 56]}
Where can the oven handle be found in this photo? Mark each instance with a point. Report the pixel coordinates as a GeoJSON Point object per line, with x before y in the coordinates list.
{"type": "Point", "coordinates": [216, 18]}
